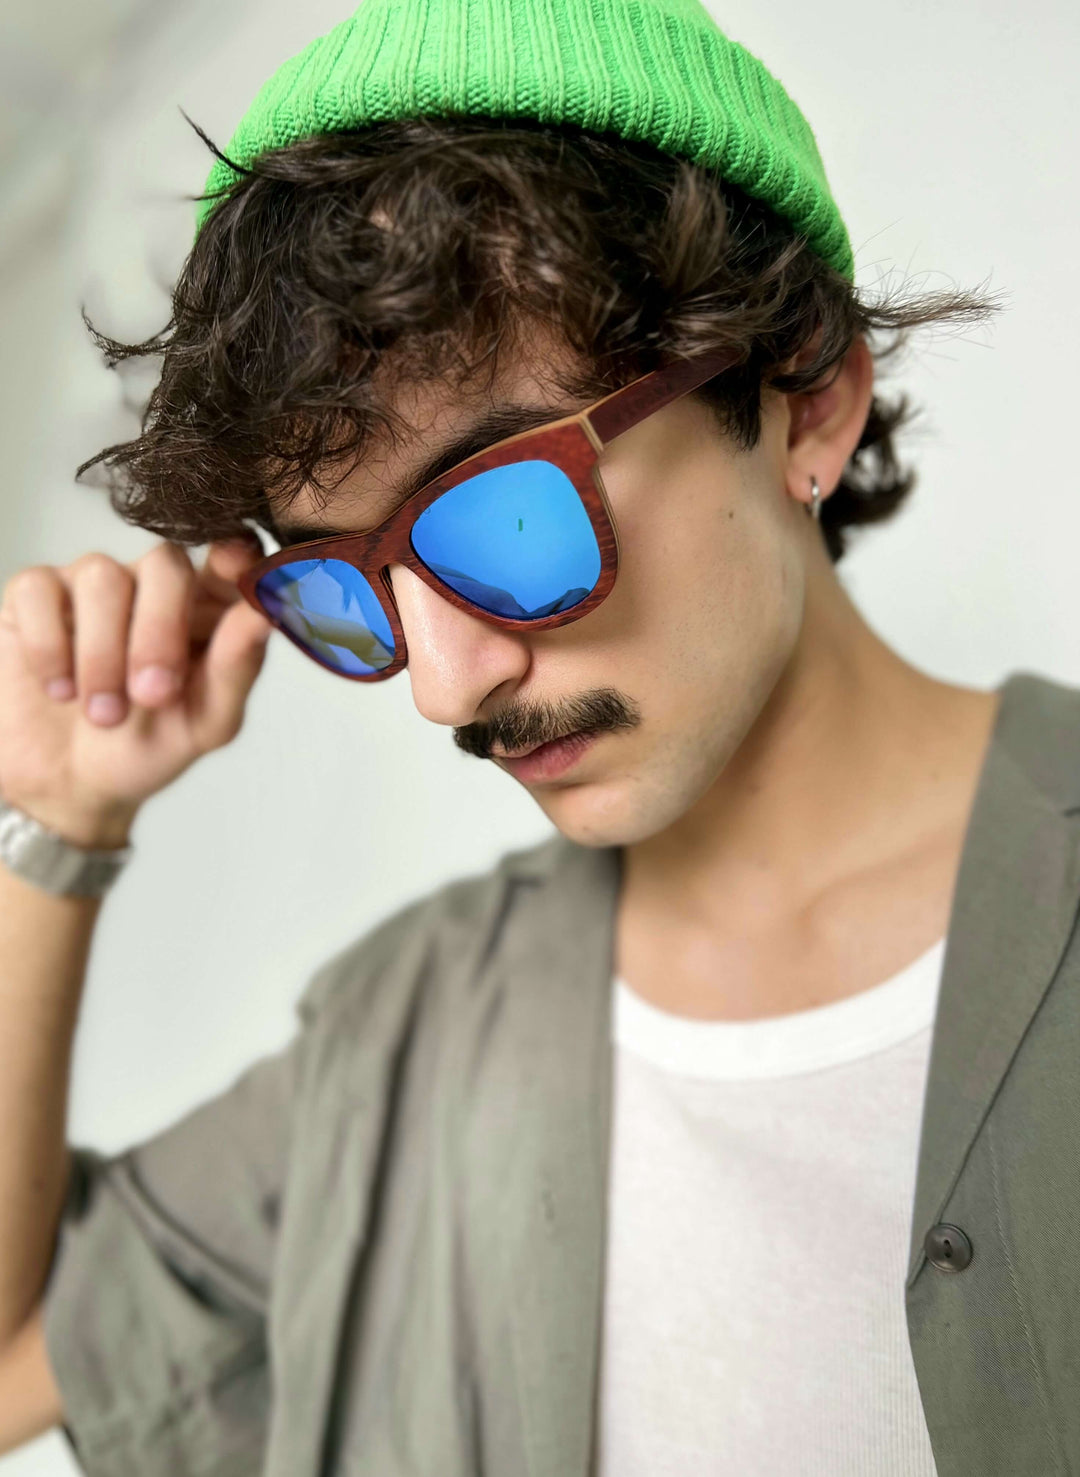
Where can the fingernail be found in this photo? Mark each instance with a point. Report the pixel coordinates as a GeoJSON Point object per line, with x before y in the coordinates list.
{"type": "Point", "coordinates": [105, 707]}
{"type": "Point", "coordinates": [61, 688]}
{"type": "Point", "coordinates": [151, 683]}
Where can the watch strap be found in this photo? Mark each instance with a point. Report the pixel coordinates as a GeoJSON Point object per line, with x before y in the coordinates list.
{"type": "Point", "coordinates": [47, 860]}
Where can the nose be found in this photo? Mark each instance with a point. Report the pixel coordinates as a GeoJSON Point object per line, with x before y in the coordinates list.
{"type": "Point", "coordinates": [456, 660]}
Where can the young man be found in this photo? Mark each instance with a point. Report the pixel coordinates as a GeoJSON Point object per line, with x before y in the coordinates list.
{"type": "Point", "coordinates": [730, 1130]}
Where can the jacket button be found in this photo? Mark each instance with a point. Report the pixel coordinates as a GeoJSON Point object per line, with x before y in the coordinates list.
{"type": "Point", "coordinates": [947, 1247]}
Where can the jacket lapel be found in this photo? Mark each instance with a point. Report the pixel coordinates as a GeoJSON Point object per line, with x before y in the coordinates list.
{"type": "Point", "coordinates": [558, 964]}
{"type": "Point", "coordinates": [1014, 906]}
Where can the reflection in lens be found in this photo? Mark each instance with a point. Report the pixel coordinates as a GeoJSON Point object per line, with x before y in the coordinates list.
{"type": "Point", "coordinates": [332, 610]}
{"type": "Point", "coordinates": [515, 540]}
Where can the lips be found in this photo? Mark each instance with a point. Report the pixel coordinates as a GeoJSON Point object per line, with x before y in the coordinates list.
{"type": "Point", "coordinates": [520, 753]}
{"type": "Point", "coordinates": [551, 761]}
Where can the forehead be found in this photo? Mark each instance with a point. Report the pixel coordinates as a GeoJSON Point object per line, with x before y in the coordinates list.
{"type": "Point", "coordinates": [434, 425]}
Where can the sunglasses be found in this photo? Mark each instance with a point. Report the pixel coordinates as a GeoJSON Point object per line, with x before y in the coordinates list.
{"type": "Point", "coordinates": [520, 535]}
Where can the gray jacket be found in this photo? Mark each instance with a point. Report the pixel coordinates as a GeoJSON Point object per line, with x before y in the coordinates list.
{"type": "Point", "coordinates": [380, 1252]}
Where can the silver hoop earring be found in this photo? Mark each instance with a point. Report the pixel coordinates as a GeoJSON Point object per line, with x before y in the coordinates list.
{"type": "Point", "coordinates": [814, 507]}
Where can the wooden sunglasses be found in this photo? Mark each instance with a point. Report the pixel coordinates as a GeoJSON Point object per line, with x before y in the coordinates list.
{"type": "Point", "coordinates": [573, 444]}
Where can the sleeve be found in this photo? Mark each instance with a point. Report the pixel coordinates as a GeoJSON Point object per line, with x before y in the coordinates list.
{"type": "Point", "coordinates": [155, 1305]}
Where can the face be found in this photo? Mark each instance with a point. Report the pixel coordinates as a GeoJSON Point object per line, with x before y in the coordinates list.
{"type": "Point", "coordinates": [670, 671]}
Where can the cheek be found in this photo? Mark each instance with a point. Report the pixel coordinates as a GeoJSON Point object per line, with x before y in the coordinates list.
{"type": "Point", "coordinates": [707, 589]}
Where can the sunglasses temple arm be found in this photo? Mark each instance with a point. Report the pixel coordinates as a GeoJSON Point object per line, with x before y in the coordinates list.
{"type": "Point", "coordinates": [626, 407]}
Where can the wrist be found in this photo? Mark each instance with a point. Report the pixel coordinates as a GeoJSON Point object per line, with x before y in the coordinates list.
{"type": "Point", "coordinates": [92, 828]}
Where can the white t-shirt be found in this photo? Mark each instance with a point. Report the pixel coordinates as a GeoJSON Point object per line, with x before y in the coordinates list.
{"type": "Point", "coordinates": [760, 1196]}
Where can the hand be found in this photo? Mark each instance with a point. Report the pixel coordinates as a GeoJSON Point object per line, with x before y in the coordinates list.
{"type": "Point", "coordinates": [115, 678]}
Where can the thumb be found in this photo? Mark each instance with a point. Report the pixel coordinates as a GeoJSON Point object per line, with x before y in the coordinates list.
{"type": "Point", "coordinates": [224, 675]}
{"type": "Point", "coordinates": [224, 563]}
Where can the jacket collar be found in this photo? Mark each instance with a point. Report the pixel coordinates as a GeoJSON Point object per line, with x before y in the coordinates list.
{"type": "Point", "coordinates": [1013, 909]}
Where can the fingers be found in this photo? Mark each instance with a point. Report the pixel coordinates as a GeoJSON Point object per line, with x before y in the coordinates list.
{"type": "Point", "coordinates": [158, 652]}
{"type": "Point", "coordinates": [223, 678]}
{"type": "Point", "coordinates": [102, 595]}
{"type": "Point", "coordinates": [225, 562]}
{"type": "Point", "coordinates": [37, 607]}
{"type": "Point", "coordinates": [114, 635]}
{"type": "Point", "coordinates": [107, 633]}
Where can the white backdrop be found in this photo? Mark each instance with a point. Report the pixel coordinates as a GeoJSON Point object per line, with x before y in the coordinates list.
{"type": "Point", "coordinates": [947, 128]}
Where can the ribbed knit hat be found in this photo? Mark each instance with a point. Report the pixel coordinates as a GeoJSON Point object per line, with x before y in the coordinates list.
{"type": "Point", "coordinates": [657, 70]}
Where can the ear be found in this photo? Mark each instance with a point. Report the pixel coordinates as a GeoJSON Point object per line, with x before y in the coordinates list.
{"type": "Point", "coordinates": [827, 422]}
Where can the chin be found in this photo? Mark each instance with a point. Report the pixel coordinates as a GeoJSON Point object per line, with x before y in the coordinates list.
{"type": "Point", "coordinates": [614, 812]}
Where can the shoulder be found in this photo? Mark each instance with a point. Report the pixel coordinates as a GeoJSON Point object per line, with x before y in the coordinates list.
{"type": "Point", "coordinates": [1039, 729]}
{"type": "Point", "coordinates": [445, 932]}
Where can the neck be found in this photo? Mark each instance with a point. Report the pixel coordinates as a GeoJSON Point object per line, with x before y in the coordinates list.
{"type": "Point", "coordinates": [855, 758]}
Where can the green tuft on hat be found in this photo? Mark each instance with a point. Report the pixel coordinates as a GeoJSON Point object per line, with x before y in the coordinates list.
{"type": "Point", "coordinates": [657, 70]}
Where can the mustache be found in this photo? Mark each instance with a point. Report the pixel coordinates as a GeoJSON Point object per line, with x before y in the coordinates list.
{"type": "Point", "coordinates": [602, 711]}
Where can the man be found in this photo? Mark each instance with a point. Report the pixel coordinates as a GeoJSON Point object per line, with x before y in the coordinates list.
{"type": "Point", "coordinates": [725, 1131]}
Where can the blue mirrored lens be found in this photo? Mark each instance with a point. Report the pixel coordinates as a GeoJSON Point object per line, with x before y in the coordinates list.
{"type": "Point", "coordinates": [330, 607]}
{"type": "Point", "coordinates": [515, 540]}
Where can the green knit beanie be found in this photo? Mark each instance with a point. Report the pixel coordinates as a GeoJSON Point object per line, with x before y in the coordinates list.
{"type": "Point", "coordinates": [657, 70]}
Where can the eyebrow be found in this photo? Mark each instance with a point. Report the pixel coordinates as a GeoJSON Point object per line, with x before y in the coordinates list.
{"type": "Point", "coordinates": [495, 425]}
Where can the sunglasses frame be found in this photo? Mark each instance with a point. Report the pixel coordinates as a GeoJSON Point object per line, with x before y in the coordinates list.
{"type": "Point", "coordinates": [572, 443]}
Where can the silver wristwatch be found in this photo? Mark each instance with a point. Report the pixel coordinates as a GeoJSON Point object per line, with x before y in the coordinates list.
{"type": "Point", "coordinates": [42, 857]}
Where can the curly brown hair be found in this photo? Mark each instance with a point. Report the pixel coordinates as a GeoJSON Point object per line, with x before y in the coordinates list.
{"type": "Point", "coordinates": [430, 244]}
